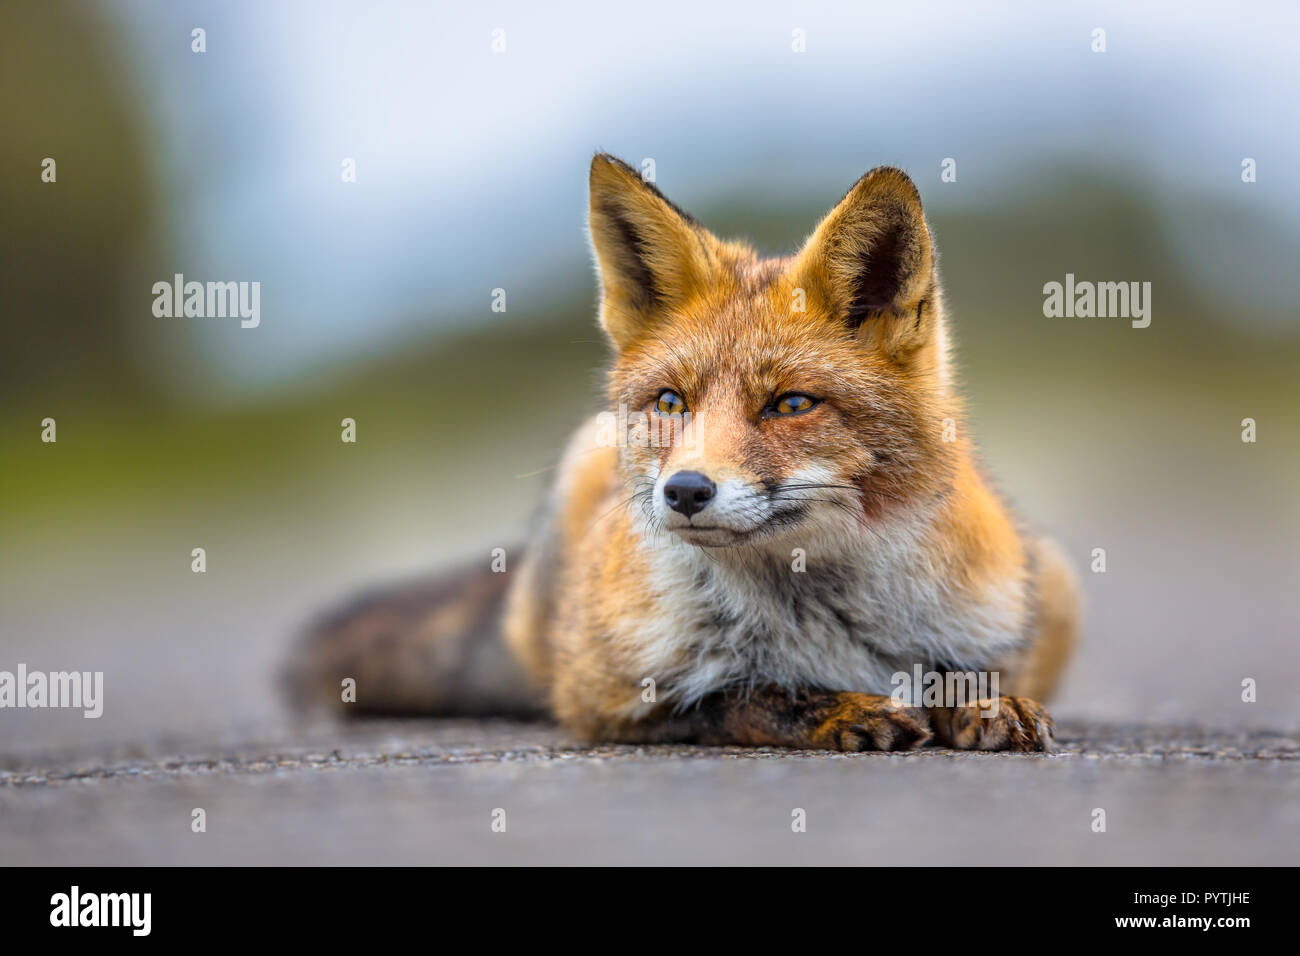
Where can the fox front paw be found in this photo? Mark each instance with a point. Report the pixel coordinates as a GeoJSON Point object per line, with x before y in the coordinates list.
{"type": "Point", "coordinates": [859, 722]}
{"type": "Point", "coordinates": [1003, 723]}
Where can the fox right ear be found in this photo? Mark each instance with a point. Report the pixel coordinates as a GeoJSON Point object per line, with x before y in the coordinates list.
{"type": "Point", "coordinates": [652, 256]}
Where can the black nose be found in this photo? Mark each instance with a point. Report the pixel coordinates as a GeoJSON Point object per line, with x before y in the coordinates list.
{"type": "Point", "coordinates": [688, 492]}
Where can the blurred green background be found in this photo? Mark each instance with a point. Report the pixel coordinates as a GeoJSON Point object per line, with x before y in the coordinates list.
{"type": "Point", "coordinates": [224, 165]}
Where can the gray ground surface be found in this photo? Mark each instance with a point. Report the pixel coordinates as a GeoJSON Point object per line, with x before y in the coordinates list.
{"type": "Point", "coordinates": [424, 792]}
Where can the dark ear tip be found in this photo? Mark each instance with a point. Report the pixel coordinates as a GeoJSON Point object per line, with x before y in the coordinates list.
{"type": "Point", "coordinates": [607, 161]}
{"type": "Point", "coordinates": [891, 180]}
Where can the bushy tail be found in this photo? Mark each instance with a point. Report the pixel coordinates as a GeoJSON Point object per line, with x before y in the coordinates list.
{"type": "Point", "coordinates": [423, 649]}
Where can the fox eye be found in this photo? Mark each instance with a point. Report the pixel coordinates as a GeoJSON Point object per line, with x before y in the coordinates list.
{"type": "Point", "coordinates": [793, 403]}
{"type": "Point", "coordinates": [669, 403]}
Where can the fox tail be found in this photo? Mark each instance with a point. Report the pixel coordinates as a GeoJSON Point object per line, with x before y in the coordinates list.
{"type": "Point", "coordinates": [429, 648]}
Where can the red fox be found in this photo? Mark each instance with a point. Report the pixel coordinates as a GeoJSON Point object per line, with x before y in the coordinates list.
{"type": "Point", "coordinates": [795, 517]}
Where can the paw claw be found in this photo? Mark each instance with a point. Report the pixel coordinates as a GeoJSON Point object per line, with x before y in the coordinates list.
{"type": "Point", "coordinates": [1019, 725]}
{"type": "Point", "coordinates": [871, 722]}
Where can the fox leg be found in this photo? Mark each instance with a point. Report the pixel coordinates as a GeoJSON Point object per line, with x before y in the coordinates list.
{"type": "Point", "coordinates": [819, 720]}
{"type": "Point", "coordinates": [1020, 722]}
{"type": "Point", "coordinates": [1004, 723]}
{"type": "Point", "coordinates": [828, 720]}
{"type": "Point", "coordinates": [803, 720]}
{"type": "Point", "coordinates": [822, 720]}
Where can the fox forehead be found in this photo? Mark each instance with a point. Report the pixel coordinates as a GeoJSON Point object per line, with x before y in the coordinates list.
{"type": "Point", "coordinates": [749, 345]}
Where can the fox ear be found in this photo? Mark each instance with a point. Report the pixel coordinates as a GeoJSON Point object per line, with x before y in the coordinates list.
{"type": "Point", "coordinates": [871, 261]}
{"type": "Point", "coordinates": [651, 255]}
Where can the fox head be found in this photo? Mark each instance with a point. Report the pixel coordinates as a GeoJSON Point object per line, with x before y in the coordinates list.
{"type": "Point", "coordinates": [774, 397]}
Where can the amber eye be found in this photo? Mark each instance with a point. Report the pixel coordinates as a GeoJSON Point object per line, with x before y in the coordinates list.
{"type": "Point", "coordinates": [669, 403]}
{"type": "Point", "coordinates": [793, 403]}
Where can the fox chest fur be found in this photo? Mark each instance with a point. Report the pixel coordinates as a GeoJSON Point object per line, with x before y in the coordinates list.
{"type": "Point", "coordinates": [848, 620]}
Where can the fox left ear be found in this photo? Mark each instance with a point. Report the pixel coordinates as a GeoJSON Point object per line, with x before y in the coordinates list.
{"type": "Point", "coordinates": [871, 261]}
